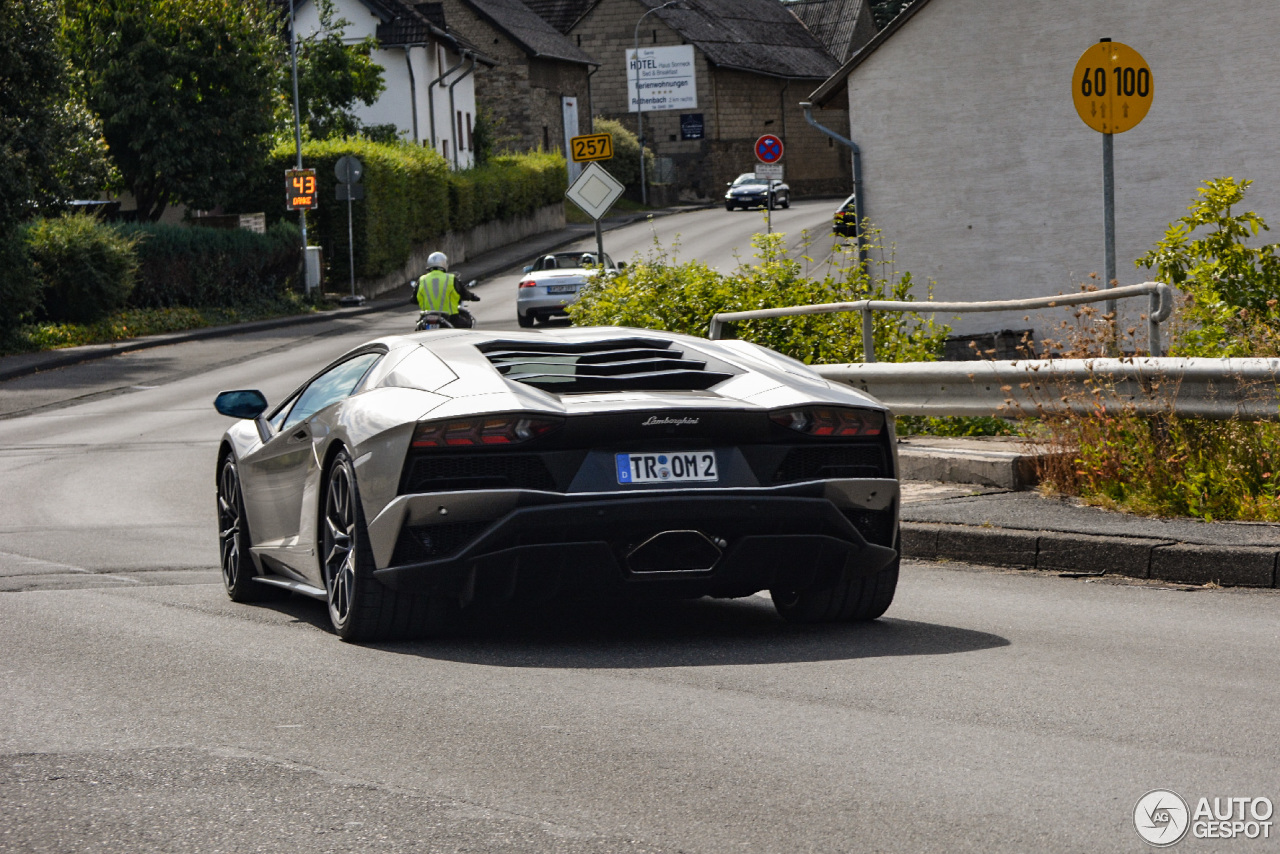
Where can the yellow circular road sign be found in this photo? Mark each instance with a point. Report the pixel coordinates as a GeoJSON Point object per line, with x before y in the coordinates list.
{"type": "Point", "coordinates": [1112, 87]}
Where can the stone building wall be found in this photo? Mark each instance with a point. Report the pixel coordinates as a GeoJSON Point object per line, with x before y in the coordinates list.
{"type": "Point", "coordinates": [521, 94]}
{"type": "Point", "coordinates": [737, 108]}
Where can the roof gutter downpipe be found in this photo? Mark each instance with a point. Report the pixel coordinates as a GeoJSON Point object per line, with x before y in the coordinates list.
{"type": "Point", "coordinates": [860, 204]}
{"type": "Point", "coordinates": [457, 142]}
{"type": "Point", "coordinates": [431, 101]}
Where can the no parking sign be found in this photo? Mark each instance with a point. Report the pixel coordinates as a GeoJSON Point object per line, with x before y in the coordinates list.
{"type": "Point", "coordinates": [768, 149]}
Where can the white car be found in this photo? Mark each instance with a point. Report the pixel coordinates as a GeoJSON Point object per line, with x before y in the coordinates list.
{"type": "Point", "coordinates": [551, 284]}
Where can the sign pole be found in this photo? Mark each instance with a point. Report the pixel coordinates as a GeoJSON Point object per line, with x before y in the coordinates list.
{"type": "Point", "coordinates": [351, 244]}
{"type": "Point", "coordinates": [768, 207]}
{"type": "Point", "coordinates": [599, 245]}
{"type": "Point", "coordinates": [1109, 218]}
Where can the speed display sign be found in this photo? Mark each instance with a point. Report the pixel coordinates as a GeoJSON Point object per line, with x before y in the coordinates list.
{"type": "Point", "coordinates": [1112, 87]}
{"type": "Point", "coordinates": [300, 189]}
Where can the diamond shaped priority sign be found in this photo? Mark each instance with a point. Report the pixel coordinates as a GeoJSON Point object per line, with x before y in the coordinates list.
{"type": "Point", "coordinates": [595, 191]}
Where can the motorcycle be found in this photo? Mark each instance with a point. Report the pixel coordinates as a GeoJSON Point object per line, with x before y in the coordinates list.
{"type": "Point", "coordinates": [439, 320]}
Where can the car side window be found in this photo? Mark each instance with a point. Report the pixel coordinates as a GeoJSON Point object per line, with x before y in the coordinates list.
{"type": "Point", "coordinates": [330, 387]}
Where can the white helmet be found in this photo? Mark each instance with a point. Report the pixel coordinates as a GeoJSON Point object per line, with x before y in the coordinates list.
{"type": "Point", "coordinates": [438, 259]}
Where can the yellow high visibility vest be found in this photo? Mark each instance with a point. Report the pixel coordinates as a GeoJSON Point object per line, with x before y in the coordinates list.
{"type": "Point", "coordinates": [436, 292]}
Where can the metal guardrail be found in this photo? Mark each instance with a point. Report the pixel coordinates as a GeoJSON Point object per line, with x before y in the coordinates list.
{"type": "Point", "coordinates": [1248, 389]}
{"type": "Point", "coordinates": [1160, 307]}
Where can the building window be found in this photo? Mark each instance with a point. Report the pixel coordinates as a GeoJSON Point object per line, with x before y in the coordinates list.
{"type": "Point", "coordinates": [470, 139]}
{"type": "Point", "coordinates": [444, 148]}
{"type": "Point", "coordinates": [546, 139]}
{"type": "Point", "coordinates": [460, 132]}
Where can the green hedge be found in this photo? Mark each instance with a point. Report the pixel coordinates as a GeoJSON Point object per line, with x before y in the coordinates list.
{"type": "Point", "coordinates": [86, 270]}
{"type": "Point", "coordinates": [411, 197]}
{"type": "Point", "coordinates": [19, 287]}
{"type": "Point", "coordinates": [212, 267]}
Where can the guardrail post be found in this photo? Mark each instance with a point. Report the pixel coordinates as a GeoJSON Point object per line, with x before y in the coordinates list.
{"type": "Point", "coordinates": [868, 336]}
{"type": "Point", "coordinates": [1154, 344]}
{"type": "Point", "coordinates": [716, 330]}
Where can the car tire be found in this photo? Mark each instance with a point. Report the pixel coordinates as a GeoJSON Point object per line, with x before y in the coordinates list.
{"type": "Point", "coordinates": [728, 207]}
{"type": "Point", "coordinates": [525, 320]}
{"type": "Point", "coordinates": [848, 597]}
{"type": "Point", "coordinates": [361, 608]}
{"type": "Point", "coordinates": [786, 201]}
{"type": "Point", "coordinates": [234, 541]}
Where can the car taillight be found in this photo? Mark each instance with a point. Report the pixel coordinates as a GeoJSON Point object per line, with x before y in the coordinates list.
{"type": "Point", "coordinates": [528, 283]}
{"type": "Point", "coordinates": [484, 430]}
{"type": "Point", "coordinates": [831, 421]}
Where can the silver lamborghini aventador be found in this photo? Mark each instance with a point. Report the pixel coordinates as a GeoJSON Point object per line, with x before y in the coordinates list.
{"type": "Point", "coordinates": [422, 475]}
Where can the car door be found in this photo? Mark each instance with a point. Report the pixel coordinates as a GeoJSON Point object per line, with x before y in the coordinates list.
{"type": "Point", "coordinates": [277, 474]}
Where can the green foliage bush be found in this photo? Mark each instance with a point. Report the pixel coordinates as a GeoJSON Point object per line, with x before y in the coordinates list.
{"type": "Point", "coordinates": [661, 293]}
{"type": "Point", "coordinates": [625, 165]}
{"type": "Point", "coordinates": [19, 287]}
{"type": "Point", "coordinates": [411, 197]}
{"type": "Point", "coordinates": [86, 269]}
{"type": "Point", "coordinates": [507, 186]}
{"type": "Point", "coordinates": [1231, 289]}
{"type": "Point", "coordinates": [1169, 466]}
{"type": "Point", "coordinates": [208, 267]}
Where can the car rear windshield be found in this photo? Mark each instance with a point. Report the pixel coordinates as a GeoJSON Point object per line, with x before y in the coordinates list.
{"type": "Point", "coordinates": [569, 261]}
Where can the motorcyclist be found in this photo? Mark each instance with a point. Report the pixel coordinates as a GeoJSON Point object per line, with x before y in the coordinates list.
{"type": "Point", "coordinates": [440, 291]}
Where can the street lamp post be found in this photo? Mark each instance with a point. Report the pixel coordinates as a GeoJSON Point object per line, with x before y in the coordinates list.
{"type": "Point", "coordinates": [297, 134]}
{"type": "Point", "coordinates": [635, 58]}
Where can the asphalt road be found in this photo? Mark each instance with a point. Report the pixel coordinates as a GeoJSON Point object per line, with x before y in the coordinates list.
{"type": "Point", "coordinates": [143, 712]}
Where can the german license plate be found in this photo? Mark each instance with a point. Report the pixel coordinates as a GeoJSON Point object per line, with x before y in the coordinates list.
{"type": "Point", "coordinates": [562, 289]}
{"type": "Point", "coordinates": [679, 467]}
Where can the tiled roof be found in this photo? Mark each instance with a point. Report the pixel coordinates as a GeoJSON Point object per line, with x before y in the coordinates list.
{"type": "Point", "coordinates": [834, 85]}
{"type": "Point", "coordinates": [530, 32]}
{"type": "Point", "coordinates": [842, 26]}
{"type": "Point", "coordinates": [560, 14]}
{"type": "Point", "coordinates": [761, 36]}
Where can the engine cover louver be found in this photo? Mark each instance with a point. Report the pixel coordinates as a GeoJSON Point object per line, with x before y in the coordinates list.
{"type": "Point", "coordinates": [622, 364]}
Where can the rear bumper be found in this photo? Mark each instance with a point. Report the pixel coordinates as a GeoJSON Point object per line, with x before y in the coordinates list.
{"type": "Point", "coordinates": [545, 305]}
{"type": "Point", "coordinates": [742, 540]}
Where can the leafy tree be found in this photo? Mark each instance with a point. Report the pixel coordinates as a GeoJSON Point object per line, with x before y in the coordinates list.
{"type": "Point", "coordinates": [332, 77]}
{"type": "Point", "coordinates": [51, 148]}
{"type": "Point", "coordinates": [184, 89]}
{"type": "Point", "coordinates": [1232, 289]}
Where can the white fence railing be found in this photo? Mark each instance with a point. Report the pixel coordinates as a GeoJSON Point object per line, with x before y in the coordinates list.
{"type": "Point", "coordinates": [1199, 388]}
{"type": "Point", "coordinates": [1158, 311]}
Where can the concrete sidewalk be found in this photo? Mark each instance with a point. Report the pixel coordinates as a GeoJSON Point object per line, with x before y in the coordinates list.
{"type": "Point", "coordinates": [996, 527]}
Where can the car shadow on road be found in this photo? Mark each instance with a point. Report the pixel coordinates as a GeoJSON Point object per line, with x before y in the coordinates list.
{"type": "Point", "coordinates": [697, 633]}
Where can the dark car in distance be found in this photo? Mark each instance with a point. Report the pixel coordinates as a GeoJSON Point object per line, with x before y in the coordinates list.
{"type": "Point", "coordinates": [748, 191]}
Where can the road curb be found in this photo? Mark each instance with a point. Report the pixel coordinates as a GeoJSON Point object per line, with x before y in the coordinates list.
{"type": "Point", "coordinates": [24, 364]}
{"type": "Point", "coordinates": [1061, 552]}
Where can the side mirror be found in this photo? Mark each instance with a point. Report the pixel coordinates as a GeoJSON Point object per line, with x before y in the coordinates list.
{"type": "Point", "coordinates": [528, 268]}
{"type": "Point", "coordinates": [622, 265]}
{"type": "Point", "coordinates": [245, 403]}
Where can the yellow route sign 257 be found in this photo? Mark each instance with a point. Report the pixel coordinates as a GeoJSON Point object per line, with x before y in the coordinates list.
{"type": "Point", "coordinates": [1112, 87]}
{"type": "Point", "coordinates": [595, 146]}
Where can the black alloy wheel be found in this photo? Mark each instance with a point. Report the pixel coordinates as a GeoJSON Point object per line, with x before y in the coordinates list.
{"type": "Point", "coordinates": [361, 608]}
{"type": "Point", "coordinates": [233, 539]}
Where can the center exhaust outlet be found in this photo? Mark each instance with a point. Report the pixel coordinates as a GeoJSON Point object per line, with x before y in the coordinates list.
{"type": "Point", "coordinates": [675, 551]}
